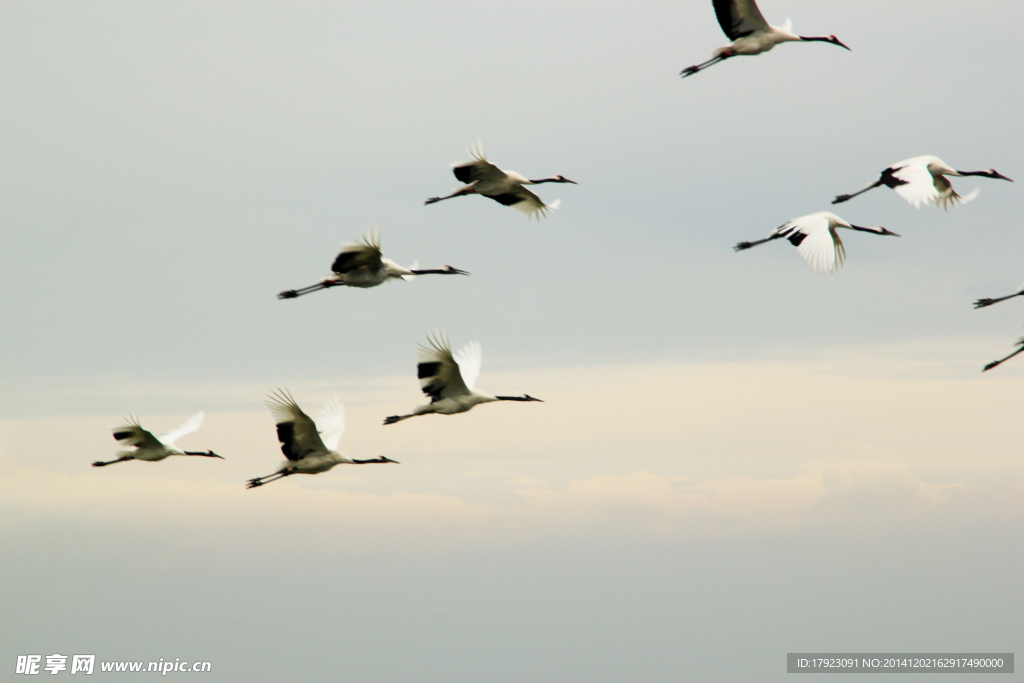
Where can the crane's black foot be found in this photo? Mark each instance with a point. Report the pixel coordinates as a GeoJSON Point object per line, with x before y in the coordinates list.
{"type": "Point", "coordinates": [288, 294]}
{"type": "Point", "coordinates": [991, 365]}
{"type": "Point", "coordinates": [689, 71]}
{"type": "Point", "coordinates": [742, 245]}
{"type": "Point", "coordinates": [842, 198]}
{"type": "Point", "coordinates": [432, 200]}
{"type": "Point", "coordinates": [981, 303]}
{"type": "Point", "coordinates": [391, 419]}
{"type": "Point", "coordinates": [253, 483]}
{"type": "Point", "coordinates": [99, 463]}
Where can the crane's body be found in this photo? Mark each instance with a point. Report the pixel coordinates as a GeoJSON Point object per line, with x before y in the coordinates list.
{"type": "Point", "coordinates": [362, 264]}
{"type": "Point", "coordinates": [743, 23]}
{"type": "Point", "coordinates": [816, 239]}
{"type": "Point", "coordinates": [140, 444]}
{"type": "Point", "coordinates": [449, 379]}
{"type": "Point", "coordinates": [981, 303]}
{"type": "Point", "coordinates": [505, 187]}
{"type": "Point", "coordinates": [308, 446]}
{"type": "Point", "coordinates": [923, 180]}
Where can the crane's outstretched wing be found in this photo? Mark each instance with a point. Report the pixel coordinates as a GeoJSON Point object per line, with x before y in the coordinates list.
{"type": "Point", "coordinates": [919, 186]}
{"type": "Point", "coordinates": [816, 242]}
{"type": "Point", "coordinates": [295, 430]}
{"type": "Point", "coordinates": [437, 370]}
{"type": "Point", "coordinates": [132, 435]}
{"type": "Point", "coordinates": [739, 18]}
{"type": "Point", "coordinates": [469, 358]}
{"type": "Point", "coordinates": [364, 253]}
{"type": "Point", "coordinates": [479, 168]}
{"type": "Point", "coordinates": [331, 423]}
{"type": "Point", "coordinates": [525, 202]}
{"type": "Point", "coordinates": [191, 425]}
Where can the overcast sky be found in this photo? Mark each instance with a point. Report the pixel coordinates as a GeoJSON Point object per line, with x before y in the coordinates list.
{"type": "Point", "coordinates": [735, 459]}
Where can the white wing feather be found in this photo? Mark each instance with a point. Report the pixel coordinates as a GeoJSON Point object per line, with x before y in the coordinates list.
{"type": "Point", "coordinates": [823, 251]}
{"type": "Point", "coordinates": [190, 425]}
{"type": "Point", "coordinates": [531, 205]}
{"type": "Point", "coordinates": [821, 247]}
{"type": "Point", "coordinates": [331, 423]}
{"type": "Point", "coordinates": [920, 185]}
{"type": "Point", "coordinates": [469, 358]}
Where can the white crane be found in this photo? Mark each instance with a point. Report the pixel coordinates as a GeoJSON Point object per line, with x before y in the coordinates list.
{"type": "Point", "coordinates": [981, 303]}
{"type": "Point", "coordinates": [449, 379]}
{"type": "Point", "coordinates": [997, 362]}
{"type": "Point", "coordinates": [361, 264]}
{"type": "Point", "coordinates": [505, 187]}
{"type": "Point", "coordinates": [143, 445]}
{"type": "Point", "coordinates": [923, 179]}
{"type": "Point", "coordinates": [743, 23]}
{"type": "Point", "coordinates": [815, 237]}
{"type": "Point", "coordinates": [309, 446]}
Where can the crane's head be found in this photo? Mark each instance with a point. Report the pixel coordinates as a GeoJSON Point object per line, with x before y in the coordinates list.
{"type": "Point", "coordinates": [836, 41]}
{"type": "Point", "coordinates": [993, 173]}
{"type": "Point", "coordinates": [454, 271]}
{"type": "Point", "coordinates": [563, 179]}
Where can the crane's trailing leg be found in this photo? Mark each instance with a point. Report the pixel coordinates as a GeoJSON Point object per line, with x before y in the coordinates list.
{"type": "Point", "coordinates": [847, 197]}
{"type": "Point", "coordinates": [293, 293]}
{"type": "Point", "coordinates": [690, 70]}
{"type": "Point", "coordinates": [981, 303]}
{"type": "Point", "coordinates": [747, 245]}
{"type": "Point", "coordinates": [123, 458]}
{"type": "Point", "coordinates": [397, 418]}
{"type": "Point", "coordinates": [260, 481]}
{"type": "Point", "coordinates": [997, 362]}
{"type": "Point", "coordinates": [457, 193]}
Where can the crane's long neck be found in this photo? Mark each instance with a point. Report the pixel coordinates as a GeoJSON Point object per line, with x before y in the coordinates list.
{"type": "Point", "coordinates": [991, 173]}
{"type": "Point", "coordinates": [556, 179]}
{"type": "Point", "coordinates": [877, 231]}
{"type": "Point", "coordinates": [378, 460]}
{"type": "Point", "coordinates": [205, 454]}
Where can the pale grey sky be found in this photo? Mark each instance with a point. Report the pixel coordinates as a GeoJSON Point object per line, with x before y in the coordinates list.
{"type": "Point", "coordinates": [736, 458]}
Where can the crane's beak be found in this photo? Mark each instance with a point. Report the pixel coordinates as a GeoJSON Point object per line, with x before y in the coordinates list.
{"type": "Point", "coordinates": [1000, 175]}
{"type": "Point", "coordinates": [836, 41]}
{"type": "Point", "coordinates": [456, 271]}
{"type": "Point", "coordinates": [527, 397]}
{"type": "Point", "coordinates": [211, 454]}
